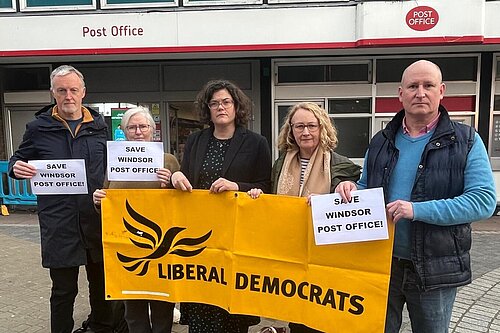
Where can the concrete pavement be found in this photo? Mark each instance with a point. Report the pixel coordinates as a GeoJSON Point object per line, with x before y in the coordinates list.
{"type": "Point", "coordinates": [25, 285]}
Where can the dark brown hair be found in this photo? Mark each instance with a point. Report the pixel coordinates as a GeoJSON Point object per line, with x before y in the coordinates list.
{"type": "Point", "coordinates": [242, 104]}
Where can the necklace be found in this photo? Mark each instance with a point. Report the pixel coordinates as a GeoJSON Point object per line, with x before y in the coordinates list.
{"type": "Point", "coordinates": [221, 142]}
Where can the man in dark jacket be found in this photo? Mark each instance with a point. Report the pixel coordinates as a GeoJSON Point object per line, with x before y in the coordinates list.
{"type": "Point", "coordinates": [69, 225]}
{"type": "Point", "coordinates": [437, 179]}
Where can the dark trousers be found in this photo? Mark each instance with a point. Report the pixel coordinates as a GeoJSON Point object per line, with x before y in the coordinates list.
{"type": "Point", "coordinates": [299, 328]}
{"type": "Point", "coordinates": [139, 320]}
{"type": "Point", "coordinates": [64, 291]}
{"type": "Point", "coordinates": [430, 311]}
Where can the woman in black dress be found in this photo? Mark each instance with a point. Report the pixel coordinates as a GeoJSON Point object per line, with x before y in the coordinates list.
{"type": "Point", "coordinates": [223, 157]}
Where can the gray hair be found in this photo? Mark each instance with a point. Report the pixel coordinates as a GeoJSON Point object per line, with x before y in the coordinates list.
{"type": "Point", "coordinates": [63, 71]}
{"type": "Point", "coordinates": [142, 110]}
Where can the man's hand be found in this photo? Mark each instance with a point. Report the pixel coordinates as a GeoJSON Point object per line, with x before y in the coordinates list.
{"type": "Point", "coordinates": [97, 196]}
{"type": "Point", "coordinates": [23, 170]}
{"type": "Point", "coordinates": [400, 209]}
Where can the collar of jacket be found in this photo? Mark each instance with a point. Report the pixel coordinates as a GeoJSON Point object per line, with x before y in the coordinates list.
{"type": "Point", "coordinates": [96, 121]}
{"type": "Point", "coordinates": [443, 126]}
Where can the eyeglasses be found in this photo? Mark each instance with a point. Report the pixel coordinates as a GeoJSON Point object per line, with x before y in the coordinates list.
{"type": "Point", "coordinates": [226, 103]}
{"type": "Point", "coordinates": [133, 128]}
{"type": "Point", "coordinates": [301, 127]}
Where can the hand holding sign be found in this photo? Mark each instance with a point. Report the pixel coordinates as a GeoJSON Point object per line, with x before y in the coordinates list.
{"type": "Point", "coordinates": [360, 218]}
{"type": "Point", "coordinates": [134, 160]}
{"type": "Point", "coordinates": [59, 177]}
{"type": "Point", "coordinates": [23, 170]}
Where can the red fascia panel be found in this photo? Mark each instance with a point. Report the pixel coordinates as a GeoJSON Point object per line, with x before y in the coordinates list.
{"type": "Point", "coordinates": [494, 40]}
{"type": "Point", "coordinates": [424, 41]}
{"type": "Point", "coordinates": [180, 49]}
{"type": "Point", "coordinates": [381, 42]}
{"type": "Point", "coordinates": [451, 103]}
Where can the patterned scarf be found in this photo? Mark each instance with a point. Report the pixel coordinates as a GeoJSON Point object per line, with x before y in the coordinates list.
{"type": "Point", "coordinates": [317, 177]}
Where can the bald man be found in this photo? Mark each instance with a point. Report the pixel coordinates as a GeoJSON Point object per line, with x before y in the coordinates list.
{"type": "Point", "coordinates": [437, 179]}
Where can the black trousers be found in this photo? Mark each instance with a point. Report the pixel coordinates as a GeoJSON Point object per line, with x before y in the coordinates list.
{"type": "Point", "coordinates": [299, 328]}
{"type": "Point", "coordinates": [139, 319]}
{"type": "Point", "coordinates": [64, 291]}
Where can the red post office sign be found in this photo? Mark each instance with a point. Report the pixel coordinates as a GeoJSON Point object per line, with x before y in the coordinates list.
{"type": "Point", "coordinates": [422, 18]}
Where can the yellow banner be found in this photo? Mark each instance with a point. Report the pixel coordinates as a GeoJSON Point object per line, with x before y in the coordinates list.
{"type": "Point", "coordinates": [248, 256]}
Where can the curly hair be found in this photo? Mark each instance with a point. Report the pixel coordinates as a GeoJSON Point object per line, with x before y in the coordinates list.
{"type": "Point", "coordinates": [328, 132]}
{"type": "Point", "coordinates": [242, 103]}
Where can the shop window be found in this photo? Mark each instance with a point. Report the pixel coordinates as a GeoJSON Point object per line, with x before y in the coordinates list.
{"type": "Point", "coordinates": [132, 78]}
{"type": "Point", "coordinates": [192, 77]}
{"type": "Point", "coordinates": [282, 111]}
{"type": "Point", "coordinates": [136, 3]}
{"type": "Point", "coordinates": [353, 135]}
{"type": "Point", "coordinates": [358, 105]}
{"type": "Point", "coordinates": [323, 73]}
{"type": "Point", "coordinates": [302, 1]}
{"type": "Point", "coordinates": [498, 71]}
{"type": "Point", "coordinates": [496, 103]}
{"type": "Point", "coordinates": [220, 2]}
{"type": "Point", "coordinates": [39, 5]}
{"type": "Point", "coordinates": [184, 120]}
{"type": "Point", "coordinates": [26, 78]}
{"type": "Point", "coordinates": [7, 5]}
{"type": "Point", "coordinates": [453, 69]}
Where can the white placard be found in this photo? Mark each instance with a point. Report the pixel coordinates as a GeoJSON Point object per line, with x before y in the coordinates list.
{"type": "Point", "coordinates": [362, 219]}
{"type": "Point", "coordinates": [134, 160]}
{"type": "Point", "coordinates": [59, 177]}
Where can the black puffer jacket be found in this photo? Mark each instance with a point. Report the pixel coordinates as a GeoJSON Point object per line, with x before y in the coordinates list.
{"type": "Point", "coordinates": [69, 224]}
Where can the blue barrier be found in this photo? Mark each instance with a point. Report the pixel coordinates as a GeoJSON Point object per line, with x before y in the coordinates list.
{"type": "Point", "coordinates": [13, 191]}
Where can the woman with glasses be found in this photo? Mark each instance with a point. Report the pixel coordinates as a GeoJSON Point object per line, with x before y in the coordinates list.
{"type": "Point", "coordinates": [307, 163]}
{"type": "Point", "coordinates": [138, 125]}
{"type": "Point", "coordinates": [223, 157]}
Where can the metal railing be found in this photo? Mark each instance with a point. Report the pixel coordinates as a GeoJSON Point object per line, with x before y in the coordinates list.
{"type": "Point", "coordinates": [14, 191]}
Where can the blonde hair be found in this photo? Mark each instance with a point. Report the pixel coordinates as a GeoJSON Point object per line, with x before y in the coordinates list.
{"type": "Point", "coordinates": [327, 135]}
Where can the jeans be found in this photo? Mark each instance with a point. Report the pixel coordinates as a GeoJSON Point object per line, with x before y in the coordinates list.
{"type": "Point", "coordinates": [64, 291]}
{"type": "Point", "coordinates": [430, 311]}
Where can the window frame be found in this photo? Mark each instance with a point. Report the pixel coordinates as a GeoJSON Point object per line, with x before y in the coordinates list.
{"type": "Point", "coordinates": [25, 8]}
{"type": "Point", "coordinates": [324, 63]}
{"type": "Point", "coordinates": [11, 9]}
{"type": "Point", "coordinates": [138, 4]}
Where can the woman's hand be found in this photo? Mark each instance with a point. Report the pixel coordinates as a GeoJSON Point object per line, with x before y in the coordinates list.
{"type": "Point", "coordinates": [309, 198]}
{"type": "Point", "coordinates": [163, 176]}
{"type": "Point", "coordinates": [222, 184]}
{"type": "Point", "coordinates": [255, 193]}
{"type": "Point", "coordinates": [344, 189]}
{"type": "Point", "coordinates": [180, 182]}
{"type": "Point", "coordinates": [98, 196]}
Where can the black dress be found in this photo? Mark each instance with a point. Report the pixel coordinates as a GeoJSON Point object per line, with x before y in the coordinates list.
{"type": "Point", "coordinates": [204, 318]}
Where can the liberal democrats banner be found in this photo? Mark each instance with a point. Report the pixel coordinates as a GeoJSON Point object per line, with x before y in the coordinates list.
{"type": "Point", "coordinates": [248, 256]}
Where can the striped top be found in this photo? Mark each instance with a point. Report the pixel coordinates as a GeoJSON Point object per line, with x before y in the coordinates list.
{"type": "Point", "coordinates": [303, 165]}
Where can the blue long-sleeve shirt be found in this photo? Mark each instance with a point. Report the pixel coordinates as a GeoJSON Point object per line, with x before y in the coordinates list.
{"type": "Point", "coordinates": [476, 203]}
